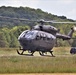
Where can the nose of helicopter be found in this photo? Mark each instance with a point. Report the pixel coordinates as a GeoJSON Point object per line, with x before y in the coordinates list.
{"type": "Point", "coordinates": [21, 39]}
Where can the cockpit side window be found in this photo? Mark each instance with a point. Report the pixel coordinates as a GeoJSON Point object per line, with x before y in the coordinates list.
{"type": "Point", "coordinates": [31, 34]}
{"type": "Point", "coordinates": [43, 36]}
{"type": "Point", "coordinates": [49, 37]}
{"type": "Point", "coordinates": [38, 36]}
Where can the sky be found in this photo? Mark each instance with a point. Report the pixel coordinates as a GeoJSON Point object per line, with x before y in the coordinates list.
{"type": "Point", "coordinates": [57, 7]}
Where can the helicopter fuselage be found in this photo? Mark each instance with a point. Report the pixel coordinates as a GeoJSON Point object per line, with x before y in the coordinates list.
{"type": "Point", "coordinates": [35, 40]}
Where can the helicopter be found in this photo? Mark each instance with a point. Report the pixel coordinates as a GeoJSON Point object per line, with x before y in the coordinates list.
{"type": "Point", "coordinates": [41, 37]}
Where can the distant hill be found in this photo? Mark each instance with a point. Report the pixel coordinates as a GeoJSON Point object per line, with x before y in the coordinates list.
{"type": "Point", "coordinates": [26, 13]}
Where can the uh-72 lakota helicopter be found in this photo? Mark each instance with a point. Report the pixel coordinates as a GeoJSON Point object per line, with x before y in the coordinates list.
{"type": "Point", "coordinates": [41, 38]}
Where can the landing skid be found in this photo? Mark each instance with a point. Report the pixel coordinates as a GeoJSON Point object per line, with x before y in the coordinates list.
{"type": "Point", "coordinates": [51, 53]}
{"type": "Point", "coordinates": [32, 52]}
{"type": "Point", "coordinates": [42, 53]}
{"type": "Point", "coordinates": [21, 53]}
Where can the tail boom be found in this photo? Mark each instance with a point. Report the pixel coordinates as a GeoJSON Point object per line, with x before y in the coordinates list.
{"type": "Point", "coordinates": [66, 37]}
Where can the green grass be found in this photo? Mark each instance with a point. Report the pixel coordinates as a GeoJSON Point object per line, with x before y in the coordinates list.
{"type": "Point", "coordinates": [63, 62]}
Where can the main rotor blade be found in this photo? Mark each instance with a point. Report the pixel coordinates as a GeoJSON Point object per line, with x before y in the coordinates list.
{"type": "Point", "coordinates": [21, 19]}
{"type": "Point", "coordinates": [65, 22]}
{"type": "Point", "coordinates": [60, 22]}
{"type": "Point", "coordinates": [39, 21]}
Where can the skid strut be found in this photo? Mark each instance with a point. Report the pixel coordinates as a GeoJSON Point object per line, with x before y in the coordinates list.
{"type": "Point", "coordinates": [20, 53]}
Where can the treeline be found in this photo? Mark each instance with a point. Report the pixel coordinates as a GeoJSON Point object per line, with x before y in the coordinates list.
{"type": "Point", "coordinates": [9, 36]}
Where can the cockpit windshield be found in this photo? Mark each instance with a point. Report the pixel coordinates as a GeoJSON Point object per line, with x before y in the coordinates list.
{"type": "Point", "coordinates": [31, 34]}
{"type": "Point", "coordinates": [22, 34]}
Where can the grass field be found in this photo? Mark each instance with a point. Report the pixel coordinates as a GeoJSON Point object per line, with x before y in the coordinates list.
{"type": "Point", "coordinates": [63, 62]}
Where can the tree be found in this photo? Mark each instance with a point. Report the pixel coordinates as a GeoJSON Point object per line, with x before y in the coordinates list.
{"type": "Point", "coordinates": [13, 41]}
{"type": "Point", "coordinates": [3, 42]}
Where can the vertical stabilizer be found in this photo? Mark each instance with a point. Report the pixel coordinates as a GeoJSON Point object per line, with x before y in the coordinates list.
{"type": "Point", "coordinates": [71, 32]}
